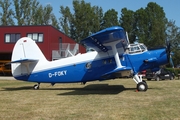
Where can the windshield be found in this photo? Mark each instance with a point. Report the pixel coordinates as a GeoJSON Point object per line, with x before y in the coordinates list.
{"type": "Point", "coordinates": [136, 48]}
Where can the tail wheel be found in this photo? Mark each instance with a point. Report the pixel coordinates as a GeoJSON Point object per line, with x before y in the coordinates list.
{"type": "Point", "coordinates": [142, 86]}
{"type": "Point", "coordinates": [36, 87]}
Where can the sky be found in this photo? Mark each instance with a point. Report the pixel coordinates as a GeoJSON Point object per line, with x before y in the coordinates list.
{"type": "Point", "coordinates": [170, 7]}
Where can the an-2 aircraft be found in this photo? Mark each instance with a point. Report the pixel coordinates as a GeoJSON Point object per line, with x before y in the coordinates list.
{"type": "Point", "coordinates": [112, 56]}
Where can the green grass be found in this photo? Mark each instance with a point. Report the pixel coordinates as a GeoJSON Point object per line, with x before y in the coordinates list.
{"type": "Point", "coordinates": [107, 100]}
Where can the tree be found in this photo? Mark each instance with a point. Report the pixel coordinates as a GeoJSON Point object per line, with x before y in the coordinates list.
{"type": "Point", "coordinates": [46, 17]}
{"type": "Point", "coordinates": [46, 14]}
{"type": "Point", "coordinates": [65, 20]}
{"type": "Point", "coordinates": [173, 36]}
{"type": "Point", "coordinates": [156, 25]}
{"type": "Point", "coordinates": [141, 25]}
{"type": "Point", "coordinates": [97, 22]}
{"type": "Point", "coordinates": [24, 11]}
{"type": "Point", "coordinates": [110, 19]}
{"type": "Point", "coordinates": [30, 12]}
{"type": "Point", "coordinates": [37, 17]}
{"type": "Point", "coordinates": [127, 21]}
{"type": "Point", "coordinates": [147, 25]}
{"type": "Point", "coordinates": [84, 21]}
{"type": "Point", "coordinates": [6, 16]}
{"type": "Point", "coordinates": [54, 21]}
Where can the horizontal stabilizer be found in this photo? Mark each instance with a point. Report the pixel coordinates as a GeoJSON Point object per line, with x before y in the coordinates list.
{"type": "Point", "coordinates": [24, 61]}
{"type": "Point", "coordinates": [118, 70]}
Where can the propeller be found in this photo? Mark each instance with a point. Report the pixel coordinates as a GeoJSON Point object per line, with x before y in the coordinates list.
{"type": "Point", "coordinates": [171, 61]}
{"type": "Point", "coordinates": [168, 50]}
{"type": "Point", "coordinates": [169, 53]}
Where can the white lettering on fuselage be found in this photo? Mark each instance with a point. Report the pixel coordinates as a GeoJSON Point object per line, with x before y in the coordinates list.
{"type": "Point", "coordinates": [57, 73]}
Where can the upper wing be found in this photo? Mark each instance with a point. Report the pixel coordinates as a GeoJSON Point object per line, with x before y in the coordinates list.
{"type": "Point", "coordinates": [101, 41]}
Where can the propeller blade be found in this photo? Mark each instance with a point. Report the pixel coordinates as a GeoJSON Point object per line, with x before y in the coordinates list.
{"type": "Point", "coordinates": [168, 51]}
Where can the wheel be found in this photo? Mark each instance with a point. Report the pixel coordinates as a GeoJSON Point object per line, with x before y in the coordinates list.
{"type": "Point", "coordinates": [148, 78]}
{"type": "Point", "coordinates": [36, 87]}
{"type": "Point", "coordinates": [157, 78]}
{"type": "Point", "coordinates": [142, 86]}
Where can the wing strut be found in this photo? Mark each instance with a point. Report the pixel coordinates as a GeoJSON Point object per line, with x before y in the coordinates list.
{"type": "Point", "coordinates": [115, 52]}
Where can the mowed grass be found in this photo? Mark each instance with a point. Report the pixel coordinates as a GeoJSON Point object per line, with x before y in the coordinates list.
{"type": "Point", "coordinates": [106, 100]}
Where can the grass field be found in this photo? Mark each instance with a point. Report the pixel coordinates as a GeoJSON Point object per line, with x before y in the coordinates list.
{"type": "Point", "coordinates": [107, 100]}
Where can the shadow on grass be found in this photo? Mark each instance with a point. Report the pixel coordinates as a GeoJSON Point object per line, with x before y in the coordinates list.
{"type": "Point", "coordinates": [18, 88]}
{"type": "Point", "coordinates": [99, 89]}
{"type": "Point", "coordinates": [86, 90]}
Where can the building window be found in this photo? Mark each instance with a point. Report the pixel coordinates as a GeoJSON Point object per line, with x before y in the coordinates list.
{"type": "Point", "coordinates": [12, 38]}
{"type": "Point", "coordinates": [38, 37]}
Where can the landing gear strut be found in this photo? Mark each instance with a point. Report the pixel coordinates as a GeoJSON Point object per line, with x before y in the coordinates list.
{"type": "Point", "coordinates": [83, 83]}
{"type": "Point", "coordinates": [36, 86]}
{"type": "Point", "coordinates": [141, 84]}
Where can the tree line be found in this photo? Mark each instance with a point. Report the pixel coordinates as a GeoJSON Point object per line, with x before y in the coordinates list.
{"type": "Point", "coordinates": [148, 25]}
{"type": "Point", "coordinates": [26, 12]}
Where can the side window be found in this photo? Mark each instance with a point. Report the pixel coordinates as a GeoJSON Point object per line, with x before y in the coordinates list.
{"type": "Point", "coordinates": [12, 38]}
{"type": "Point", "coordinates": [38, 37]}
{"type": "Point", "coordinates": [142, 47]}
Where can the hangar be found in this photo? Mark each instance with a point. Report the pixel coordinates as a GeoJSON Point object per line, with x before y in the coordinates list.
{"type": "Point", "coordinates": [53, 43]}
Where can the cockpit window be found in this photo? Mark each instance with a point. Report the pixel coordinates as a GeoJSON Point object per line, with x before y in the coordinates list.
{"type": "Point", "coordinates": [143, 47]}
{"type": "Point", "coordinates": [136, 48]}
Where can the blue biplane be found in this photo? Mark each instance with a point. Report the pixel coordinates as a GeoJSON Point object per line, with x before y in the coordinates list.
{"type": "Point", "coordinates": [111, 57]}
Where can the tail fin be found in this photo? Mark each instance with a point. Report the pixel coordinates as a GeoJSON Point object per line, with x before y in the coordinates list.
{"type": "Point", "coordinates": [26, 54]}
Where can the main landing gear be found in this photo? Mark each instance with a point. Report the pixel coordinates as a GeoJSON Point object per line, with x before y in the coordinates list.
{"type": "Point", "coordinates": [141, 84]}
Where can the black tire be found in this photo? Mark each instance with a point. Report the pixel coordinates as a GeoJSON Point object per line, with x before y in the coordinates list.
{"type": "Point", "coordinates": [142, 86]}
{"type": "Point", "coordinates": [148, 78]}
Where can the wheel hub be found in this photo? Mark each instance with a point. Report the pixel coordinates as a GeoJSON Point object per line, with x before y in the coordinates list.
{"type": "Point", "coordinates": [141, 87]}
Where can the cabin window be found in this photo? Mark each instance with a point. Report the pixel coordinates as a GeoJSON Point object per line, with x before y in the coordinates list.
{"type": "Point", "coordinates": [12, 38]}
{"type": "Point", "coordinates": [38, 37]}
